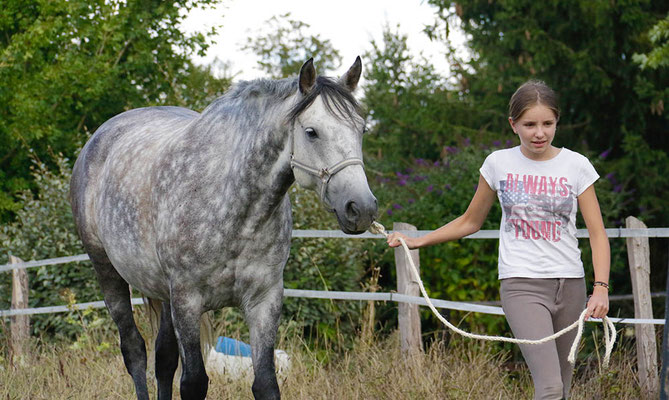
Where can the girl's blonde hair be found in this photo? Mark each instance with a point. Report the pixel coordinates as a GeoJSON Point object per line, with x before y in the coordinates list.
{"type": "Point", "coordinates": [528, 95]}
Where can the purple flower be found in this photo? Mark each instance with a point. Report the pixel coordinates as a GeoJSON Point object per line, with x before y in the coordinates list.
{"type": "Point", "coordinates": [408, 171]}
{"type": "Point", "coordinates": [447, 187]}
{"type": "Point", "coordinates": [611, 176]}
{"type": "Point", "coordinates": [451, 149]}
{"type": "Point", "coordinates": [397, 206]}
{"type": "Point", "coordinates": [605, 153]}
{"type": "Point", "coordinates": [509, 142]}
{"type": "Point", "coordinates": [411, 200]}
{"type": "Point", "coordinates": [401, 175]}
{"type": "Point", "coordinates": [618, 188]}
{"type": "Point", "coordinates": [466, 142]}
{"type": "Point", "coordinates": [497, 143]}
{"type": "Point", "coordinates": [429, 188]}
{"type": "Point", "coordinates": [421, 162]}
{"type": "Point", "coordinates": [436, 164]}
{"type": "Point", "coordinates": [401, 182]}
{"type": "Point", "coordinates": [419, 178]}
{"type": "Point", "coordinates": [389, 211]}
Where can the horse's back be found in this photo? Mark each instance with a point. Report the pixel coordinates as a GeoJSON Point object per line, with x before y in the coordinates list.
{"type": "Point", "coordinates": [126, 125]}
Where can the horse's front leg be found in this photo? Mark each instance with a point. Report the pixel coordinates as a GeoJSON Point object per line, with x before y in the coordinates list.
{"type": "Point", "coordinates": [186, 312]}
{"type": "Point", "coordinates": [262, 316]}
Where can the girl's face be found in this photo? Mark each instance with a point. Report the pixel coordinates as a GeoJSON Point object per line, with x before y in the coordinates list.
{"type": "Point", "coordinates": [536, 130]}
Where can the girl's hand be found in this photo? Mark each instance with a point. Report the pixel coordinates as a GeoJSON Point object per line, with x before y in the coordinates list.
{"type": "Point", "coordinates": [393, 240]}
{"type": "Point", "coordinates": [598, 304]}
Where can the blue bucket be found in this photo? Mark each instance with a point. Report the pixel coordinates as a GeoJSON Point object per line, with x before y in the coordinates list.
{"type": "Point", "coordinates": [232, 347]}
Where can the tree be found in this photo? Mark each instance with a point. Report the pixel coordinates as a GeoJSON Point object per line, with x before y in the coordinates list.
{"type": "Point", "coordinates": [659, 55]}
{"type": "Point", "coordinates": [284, 45]}
{"type": "Point", "coordinates": [582, 48]}
{"type": "Point", "coordinates": [67, 66]}
{"type": "Point", "coordinates": [412, 112]}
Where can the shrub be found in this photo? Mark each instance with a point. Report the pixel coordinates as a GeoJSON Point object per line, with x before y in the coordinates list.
{"type": "Point", "coordinates": [44, 228]}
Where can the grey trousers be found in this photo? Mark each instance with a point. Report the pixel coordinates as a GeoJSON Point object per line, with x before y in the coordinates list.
{"type": "Point", "coordinates": [536, 308]}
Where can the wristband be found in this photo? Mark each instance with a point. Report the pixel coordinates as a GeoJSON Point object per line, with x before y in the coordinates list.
{"type": "Point", "coordinates": [600, 283]}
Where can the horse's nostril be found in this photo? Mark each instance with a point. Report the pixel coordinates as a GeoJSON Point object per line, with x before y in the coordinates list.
{"type": "Point", "coordinates": [352, 211]}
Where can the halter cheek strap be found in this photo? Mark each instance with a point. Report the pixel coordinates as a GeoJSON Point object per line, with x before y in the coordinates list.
{"type": "Point", "coordinates": [325, 174]}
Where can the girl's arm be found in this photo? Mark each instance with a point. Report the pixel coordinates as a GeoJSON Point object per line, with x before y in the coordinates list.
{"type": "Point", "coordinates": [466, 224]}
{"type": "Point", "coordinates": [598, 304]}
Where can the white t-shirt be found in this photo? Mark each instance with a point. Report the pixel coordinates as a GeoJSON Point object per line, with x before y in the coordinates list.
{"type": "Point", "coordinates": [538, 199]}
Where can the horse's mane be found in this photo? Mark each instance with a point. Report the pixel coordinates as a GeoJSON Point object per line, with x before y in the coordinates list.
{"type": "Point", "coordinates": [338, 100]}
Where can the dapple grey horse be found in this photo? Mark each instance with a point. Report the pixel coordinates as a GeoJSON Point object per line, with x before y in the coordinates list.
{"type": "Point", "coordinates": [192, 210]}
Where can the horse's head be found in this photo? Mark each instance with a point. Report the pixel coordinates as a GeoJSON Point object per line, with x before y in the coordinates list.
{"type": "Point", "coordinates": [326, 142]}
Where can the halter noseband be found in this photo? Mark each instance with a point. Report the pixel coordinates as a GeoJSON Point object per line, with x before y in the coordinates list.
{"type": "Point", "coordinates": [324, 174]}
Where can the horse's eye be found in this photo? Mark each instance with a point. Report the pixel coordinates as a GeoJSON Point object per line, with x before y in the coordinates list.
{"type": "Point", "coordinates": [311, 133]}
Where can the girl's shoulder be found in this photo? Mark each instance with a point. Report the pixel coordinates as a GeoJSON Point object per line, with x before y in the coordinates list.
{"type": "Point", "coordinates": [574, 156]}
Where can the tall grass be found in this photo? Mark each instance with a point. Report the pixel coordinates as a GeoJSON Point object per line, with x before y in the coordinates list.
{"type": "Point", "coordinates": [372, 368]}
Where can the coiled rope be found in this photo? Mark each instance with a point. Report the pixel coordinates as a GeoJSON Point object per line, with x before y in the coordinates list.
{"type": "Point", "coordinates": [609, 328]}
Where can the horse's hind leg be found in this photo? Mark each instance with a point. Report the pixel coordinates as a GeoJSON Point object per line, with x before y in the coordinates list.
{"type": "Point", "coordinates": [262, 317]}
{"type": "Point", "coordinates": [186, 314]}
{"type": "Point", "coordinates": [167, 353]}
{"type": "Point", "coordinates": [117, 298]}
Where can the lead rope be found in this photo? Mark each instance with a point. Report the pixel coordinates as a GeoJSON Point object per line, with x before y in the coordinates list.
{"type": "Point", "coordinates": [609, 328]}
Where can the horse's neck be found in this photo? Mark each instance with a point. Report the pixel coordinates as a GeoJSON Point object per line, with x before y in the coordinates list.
{"type": "Point", "coordinates": [249, 162]}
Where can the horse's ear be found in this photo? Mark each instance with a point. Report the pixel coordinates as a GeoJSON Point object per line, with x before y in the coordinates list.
{"type": "Point", "coordinates": [307, 76]}
{"type": "Point", "coordinates": [352, 76]}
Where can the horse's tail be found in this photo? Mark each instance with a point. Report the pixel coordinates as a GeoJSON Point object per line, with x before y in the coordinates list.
{"type": "Point", "coordinates": [153, 310]}
{"type": "Point", "coordinates": [207, 332]}
{"type": "Point", "coordinates": [207, 335]}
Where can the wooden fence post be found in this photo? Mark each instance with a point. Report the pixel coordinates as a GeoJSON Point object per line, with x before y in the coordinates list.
{"type": "Point", "coordinates": [638, 254]}
{"type": "Point", "coordinates": [408, 317]}
{"type": "Point", "coordinates": [20, 324]}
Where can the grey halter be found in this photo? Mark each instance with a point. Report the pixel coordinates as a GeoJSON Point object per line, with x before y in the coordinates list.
{"type": "Point", "coordinates": [324, 174]}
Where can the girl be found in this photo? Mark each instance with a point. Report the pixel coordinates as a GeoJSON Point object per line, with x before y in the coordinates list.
{"type": "Point", "coordinates": [542, 284]}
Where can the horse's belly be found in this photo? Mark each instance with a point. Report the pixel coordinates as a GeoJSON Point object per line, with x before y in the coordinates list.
{"type": "Point", "coordinates": [142, 272]}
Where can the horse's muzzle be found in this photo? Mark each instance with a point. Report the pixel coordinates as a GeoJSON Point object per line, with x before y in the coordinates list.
{"type": "Point", "coordinates": [357, 215]}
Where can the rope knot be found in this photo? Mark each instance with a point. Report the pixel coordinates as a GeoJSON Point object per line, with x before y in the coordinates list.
{"type": "Point", "coordinates": [377, 229]}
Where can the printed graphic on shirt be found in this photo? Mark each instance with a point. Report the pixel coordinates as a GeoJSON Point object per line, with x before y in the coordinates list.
{"type": "Point", "coordinates": [536, 207]}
